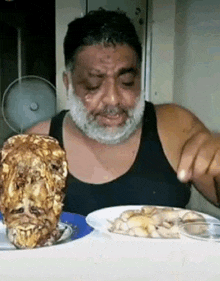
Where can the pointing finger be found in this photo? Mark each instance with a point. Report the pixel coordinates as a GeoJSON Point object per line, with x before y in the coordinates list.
{"type": "Point", "coordinates": [189, 154]}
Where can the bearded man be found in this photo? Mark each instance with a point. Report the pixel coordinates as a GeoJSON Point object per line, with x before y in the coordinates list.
{"type": "Point", "coordinates": [122, 150]}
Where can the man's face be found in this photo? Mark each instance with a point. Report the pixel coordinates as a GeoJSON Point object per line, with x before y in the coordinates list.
{"type": "Point", "coordinates": [106, 105]}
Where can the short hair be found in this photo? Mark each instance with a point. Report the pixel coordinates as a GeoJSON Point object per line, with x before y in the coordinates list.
{"type": "Point", "coordinates": [100, 27]}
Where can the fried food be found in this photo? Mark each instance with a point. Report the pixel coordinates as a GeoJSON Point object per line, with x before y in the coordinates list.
{"type": "Point", "coordinates": [32, 181]}
{"type": "Point", "coordinates": [153, 222]}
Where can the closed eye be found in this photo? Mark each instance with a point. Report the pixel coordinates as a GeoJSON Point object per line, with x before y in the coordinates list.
{"type": "Point", "coordinates": [55, 167]}
{"type": "Point", "coordinates": [17, 211]}
{"type": "Point", "coordinates": [34, 210]}
{"type": "Point", "coordinates": [128, 84]}
{"type": "Point", "coordinates": [92, 88]}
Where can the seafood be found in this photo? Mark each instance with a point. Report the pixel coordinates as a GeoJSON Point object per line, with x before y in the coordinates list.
{"type": "Point", "coordinates": [153, 222]}
{"type": "Point", "coordinates": [32, 180]}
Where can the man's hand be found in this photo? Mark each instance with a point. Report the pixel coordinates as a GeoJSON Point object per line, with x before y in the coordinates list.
{"type": "Point", "coordinates": [191, 149]}
{"type": "Point", "coordinates": [200, 156]}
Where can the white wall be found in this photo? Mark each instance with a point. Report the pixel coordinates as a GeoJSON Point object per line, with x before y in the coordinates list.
{"type": "Point", "coordinates": [185, 66]}
{"type": "Point", "coordinates": [197, 69]}
{"type": "Point", "coordinates": [197, 59]}
{"type": "Point", "coordinates": [162, 56]}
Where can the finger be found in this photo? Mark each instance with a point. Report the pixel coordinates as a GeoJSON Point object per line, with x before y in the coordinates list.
{"type": "Point", "coordinates": [188, 156]}
{"type": "Point", "coordinates": [203, 160]}
{"type": "Point", "coordinates": [214, 167]}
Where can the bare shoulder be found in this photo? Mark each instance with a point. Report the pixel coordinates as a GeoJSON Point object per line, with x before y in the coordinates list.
{"type": "Point", "coordinates": [41, 128]}
{"type": "Point", "coordinates": [176, 125]}
{"type": "Point", "coordinates": [175, 117]}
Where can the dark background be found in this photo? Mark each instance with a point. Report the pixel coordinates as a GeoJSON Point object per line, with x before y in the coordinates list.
{"type": "Point", "coordinates": [36, 21]}
{"type": "Point", "coordinates": [37, 15]}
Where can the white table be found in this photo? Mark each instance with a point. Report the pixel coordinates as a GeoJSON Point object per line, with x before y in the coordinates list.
{"type": "Point", "coordinates": [100, 257]}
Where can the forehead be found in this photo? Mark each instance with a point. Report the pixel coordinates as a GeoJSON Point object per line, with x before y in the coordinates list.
{"type": "Point", "coordinates": [100, 59]}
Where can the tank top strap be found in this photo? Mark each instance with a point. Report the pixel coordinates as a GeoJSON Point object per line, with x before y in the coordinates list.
{"type": "Point", "coordinates": [56, 127]}
{"type": "Point", "coordinates": [150, 122]}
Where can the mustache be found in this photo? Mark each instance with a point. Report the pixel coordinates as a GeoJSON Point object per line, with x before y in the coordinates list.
{"type": "Point", "coordinates": [112, 110]}
{"type": "Point", "coordinates": [108, 110]}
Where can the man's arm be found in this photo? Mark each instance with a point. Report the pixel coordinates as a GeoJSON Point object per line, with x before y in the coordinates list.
{"type": "Point", "coordinates": [192, 150]}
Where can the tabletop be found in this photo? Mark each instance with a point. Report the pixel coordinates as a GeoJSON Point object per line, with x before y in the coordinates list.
{"type": "Point", "coordinates": [98, 256]}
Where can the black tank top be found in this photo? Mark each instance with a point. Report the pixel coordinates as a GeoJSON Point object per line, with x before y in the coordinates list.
{"type": "Point", "coordinates": [150, 180]}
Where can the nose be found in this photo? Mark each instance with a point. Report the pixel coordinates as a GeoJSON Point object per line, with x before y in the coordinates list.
{"type": "Point", "coordinates": [25, 218]}
{"type": "Point", "coordinates": [111, 94]}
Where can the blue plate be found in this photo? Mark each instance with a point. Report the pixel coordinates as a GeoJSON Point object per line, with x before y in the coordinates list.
{"type": "Point", "coordinates": [77, 222]}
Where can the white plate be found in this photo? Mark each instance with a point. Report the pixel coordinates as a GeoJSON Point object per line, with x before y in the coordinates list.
{"type": "Point", "coordinates": [100, 219]}
{"type": "Point", "coordinates": [6, 245]}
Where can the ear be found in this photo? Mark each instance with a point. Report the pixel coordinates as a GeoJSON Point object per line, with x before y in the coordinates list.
{"type": "Point", "coordinates": [66, 80]}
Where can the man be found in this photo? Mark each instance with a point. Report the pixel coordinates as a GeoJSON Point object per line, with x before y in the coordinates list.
{"type": "Point", "coordinates": [120, 149]}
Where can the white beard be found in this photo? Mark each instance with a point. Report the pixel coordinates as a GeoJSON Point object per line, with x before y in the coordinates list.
{"type": "Point", "coordinates": [106, 135]}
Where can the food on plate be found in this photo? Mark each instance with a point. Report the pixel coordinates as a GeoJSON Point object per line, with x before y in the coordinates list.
{"type": "Point", "coordinates": [153, 222]}
{"type": "Point", "coordinates": [32, 181]}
